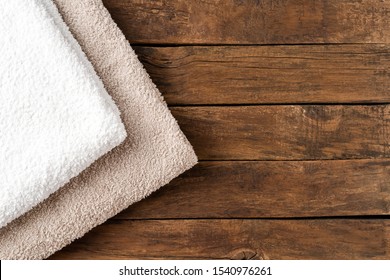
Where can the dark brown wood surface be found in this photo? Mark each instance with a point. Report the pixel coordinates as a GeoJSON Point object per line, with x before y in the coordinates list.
{"type": "Point", "coordinates": [252, 21]}
{"type": "Point", "coordinates": [286, 132]}
{"type": "Point", "coordinates": [258, 189]}
{"type": "Point", "coordinates": [270, 74]}
{"type": "Point", "coordinates": [287, 106]}
{"type": "Point", "coordinates": [234, 239]}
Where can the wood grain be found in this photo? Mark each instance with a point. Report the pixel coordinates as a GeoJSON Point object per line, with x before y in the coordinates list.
{"type": "Point", "coordinates": [234, 239]}
{"type": "Point", "coordinates": [272, 189]}
{"type": "Point", "coordinates": [275, 179]}
{"type": "Point", "coordinates": [270, 74]}
{"type": "Point", "coordinates": [252, 21]}
{"type": "Point", "coordinates": [286, 132]}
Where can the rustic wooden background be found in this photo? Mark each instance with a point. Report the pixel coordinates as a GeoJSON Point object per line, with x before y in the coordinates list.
{"type": "Point", "coordinates": [287, 103]}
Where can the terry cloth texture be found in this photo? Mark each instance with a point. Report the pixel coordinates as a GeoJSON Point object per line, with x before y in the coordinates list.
{"type": "Point", "coordinates": [154, 153]}
{"type": "Point", "coordinates": [56, 118]}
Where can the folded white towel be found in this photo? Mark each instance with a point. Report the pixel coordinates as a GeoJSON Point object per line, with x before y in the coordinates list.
{"type": "Point", "coordinates": [55, 116]}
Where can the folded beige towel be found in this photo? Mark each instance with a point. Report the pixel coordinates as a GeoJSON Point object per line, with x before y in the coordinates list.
{"type": "Point", "coordinates": [155, 152]}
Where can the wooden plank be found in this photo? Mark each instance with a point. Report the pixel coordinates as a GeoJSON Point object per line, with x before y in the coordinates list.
{"type": "Point", "coordinates": [272, 189]}
{"type": "Point", "coordinates": [286, 132]}
{"type": "Point", "coordinates": [234, 239]}
{"type": "Point", "coordinates": [270, 74]}
{"type": "Point", "coordinates": [252, 21]}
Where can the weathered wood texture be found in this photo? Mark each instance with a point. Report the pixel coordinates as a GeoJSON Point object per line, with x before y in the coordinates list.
{"type": "Point", "coordinates": [234, 239]}
{"type": "Point", "coordinates": [272, 189]}
{"type": "Point", "coordinates": [265, 167]}
{"type": "Point", "coordinates": [252, 21]}
{"type": "Point", "coordinates": [270, 74]}
{"type": "Point", "coordinates": [286, 132]}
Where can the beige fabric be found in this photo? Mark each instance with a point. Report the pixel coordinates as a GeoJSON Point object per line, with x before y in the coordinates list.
{"type": "Point", "coordinates": [155, 152]}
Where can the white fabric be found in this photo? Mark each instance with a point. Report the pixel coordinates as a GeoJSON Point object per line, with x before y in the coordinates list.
{"type": "Point", "coordinates": [55, 116]}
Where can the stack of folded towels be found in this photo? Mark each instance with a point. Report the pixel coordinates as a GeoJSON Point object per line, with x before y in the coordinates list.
{"type": "Point", "coordinates": [84, 132]}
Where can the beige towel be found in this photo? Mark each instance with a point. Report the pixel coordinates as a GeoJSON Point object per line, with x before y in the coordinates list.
{"type": "Point", "coordinates": [155, 152]}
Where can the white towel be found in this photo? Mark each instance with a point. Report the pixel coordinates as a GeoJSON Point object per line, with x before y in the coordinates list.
{"type": "Point", "coordinates": [55, 116]}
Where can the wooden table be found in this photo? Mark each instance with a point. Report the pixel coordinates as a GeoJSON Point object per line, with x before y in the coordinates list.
{"type": "Point", "coordinates": [287, 106]}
